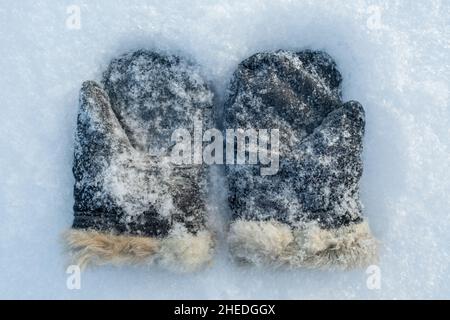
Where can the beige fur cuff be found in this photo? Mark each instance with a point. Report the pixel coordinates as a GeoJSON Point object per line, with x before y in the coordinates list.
{"type": "Point", "coordinates": [180, 251]}
{"type": "Point", "coordinates": [275, 244]}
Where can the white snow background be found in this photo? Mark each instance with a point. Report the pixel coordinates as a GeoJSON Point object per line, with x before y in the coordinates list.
{"type": "Point", "coordinates": [394, 57]}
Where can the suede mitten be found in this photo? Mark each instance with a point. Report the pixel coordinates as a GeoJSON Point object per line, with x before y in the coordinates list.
{"type": "Point", "coordinates": [132, 203]}
{"type": "Point", "coordinates": [308, 213]}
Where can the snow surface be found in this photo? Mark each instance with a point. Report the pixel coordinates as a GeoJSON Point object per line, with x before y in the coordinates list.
{"type": "Point", "coordinates": [394, 57]}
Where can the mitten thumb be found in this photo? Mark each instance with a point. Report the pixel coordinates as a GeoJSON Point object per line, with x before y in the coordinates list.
{"type": "Point", "coordinates": [99, 134]}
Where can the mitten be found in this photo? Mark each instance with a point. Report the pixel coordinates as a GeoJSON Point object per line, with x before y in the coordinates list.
{"type": "Point", "coordinates": [307, 213]}
{"type": "Point", "coordinates": [132, 203]}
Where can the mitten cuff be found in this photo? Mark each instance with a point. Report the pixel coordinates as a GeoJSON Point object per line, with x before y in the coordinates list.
{"type": "Point", "coordinates": [276, 244]}
{"type": "Point", "coordinates": [180, 251]}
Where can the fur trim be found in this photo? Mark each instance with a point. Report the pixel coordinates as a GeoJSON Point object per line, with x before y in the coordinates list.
{"type": "Point", "coordinates": [180, 251]}
{"type": "Point", "coordinates": [276, 244]}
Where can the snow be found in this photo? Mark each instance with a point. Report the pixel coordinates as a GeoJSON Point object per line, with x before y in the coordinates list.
{"type": "Point", "coordinates": [394, 57]}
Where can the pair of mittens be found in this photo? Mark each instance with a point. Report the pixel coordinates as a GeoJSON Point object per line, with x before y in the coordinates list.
{"type": "Point", "coordinates": [133, 204]}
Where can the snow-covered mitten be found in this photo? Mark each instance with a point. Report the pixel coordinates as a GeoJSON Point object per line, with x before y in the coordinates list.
{"type": "Point", "coordinates": [132, 203]}
{"type": "Point", "coordinates": [308, 213]}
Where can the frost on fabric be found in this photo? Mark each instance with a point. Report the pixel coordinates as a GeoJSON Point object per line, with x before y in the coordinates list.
{"type": "Point", "coordinates": [125, 181]}
{"type": "Point", "coordinates": [320, 141]}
